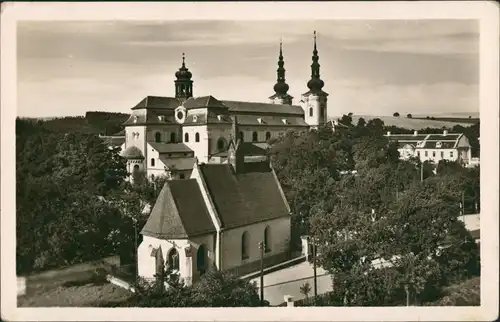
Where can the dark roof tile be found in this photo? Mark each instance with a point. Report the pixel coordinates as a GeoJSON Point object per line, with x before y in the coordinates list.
{"type": "Point", "coordinates": [250, 196]}
{"type": "Point", "coordinates": [177, 163]}
{"type": "Point", "coordinates": [159, 102]}
{"type": "Point", "coordinates": [170, 147]}
{"type": "Point", "coordinates": [179, 212]}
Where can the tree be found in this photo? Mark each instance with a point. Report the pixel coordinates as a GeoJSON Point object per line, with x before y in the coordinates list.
{"type": "Point", "coordinates": [215, 289]}
{"type": "Point", "coordinates": [409, 116]}
{"type": "Point", "coordinates": [305, 289]}
{"type": "Point", "coordinates": [396, 114]}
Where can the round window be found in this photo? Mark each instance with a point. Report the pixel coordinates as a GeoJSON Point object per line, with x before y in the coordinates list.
{"type": "Point", "coordinates": [180, 115]}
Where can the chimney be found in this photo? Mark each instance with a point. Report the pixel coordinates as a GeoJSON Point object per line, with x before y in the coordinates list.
{"type": "Point", "coordinates": [445, 132]}
{"type": "Point", "coordinates": [415, 133]}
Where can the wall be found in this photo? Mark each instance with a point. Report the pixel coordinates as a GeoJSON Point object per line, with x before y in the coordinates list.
{"type": "Point", "coordinates": [140, 141]}
{"type": "Point", "coordinates": [187, 265]}
{"type": "Point", "coordinates": [165, 131]}
{"type": "Point", "coordinates": [231, 242]}
{"type": "Point", "coordinates": [200, 148]}
{"type": "Point", "coordinates": [275, 131]}
{"type": "Point", "coordinates": [437, 158]}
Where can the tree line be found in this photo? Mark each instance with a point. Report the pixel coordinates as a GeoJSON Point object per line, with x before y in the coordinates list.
{"type": "Point", "coordinates": [361, 203]}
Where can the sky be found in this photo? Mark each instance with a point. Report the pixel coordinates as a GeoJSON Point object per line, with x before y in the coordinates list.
{"type": "Point", "coordinates": [370, 67]}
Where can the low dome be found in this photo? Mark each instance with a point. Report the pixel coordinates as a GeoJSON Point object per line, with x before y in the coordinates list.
{"type": "Point", "coordinates": [133, 152]}
{"type": "Point", "coordinates": [183, 73]}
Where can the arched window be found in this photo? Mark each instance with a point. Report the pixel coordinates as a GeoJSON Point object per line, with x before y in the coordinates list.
{"type": "Point", "coordinates": [268, 135]}
{"type": "Point", "coordinates": [157, 137]}
{"type": "Point", "coordinates": [221, 144]}
{"type": "Point", "coordinates": [244, 246]}
{"type": "Point", "coordinates": [136, 168]}
{"type": "Point", "coordinates": [200, 260]}
{"type": "Point", "coordinates": [255, 137]}
{"type": "Point", "coordinates": [152, 162]}
{"type": "Point", "coordinates": [242, 136]}
{"type": "Point", "coordinates": [152, 177]}
{"type": "Point", "coordinates": [197, 137]}
{"type": "Point", "coordinates": [267, 241]}
{"type": "Point", "coordinates": [172, 137]}
{"type": "Point", "coordinates": [310, 111]}
{"type": "Point", "coordinates": [186, 137]}
{"type": "Point", "coordinates": [173, 259]}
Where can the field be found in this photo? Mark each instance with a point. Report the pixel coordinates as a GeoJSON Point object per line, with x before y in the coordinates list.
{"type": "Point", "coordinates": [88, 293]}
{"type": "Point", "coordinates": [451, 119]}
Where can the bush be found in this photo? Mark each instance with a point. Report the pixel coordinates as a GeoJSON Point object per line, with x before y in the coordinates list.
{"type": "Point", "coordinates": [396, 114]}
{"type": "Point", "coordinates": [409, 116]}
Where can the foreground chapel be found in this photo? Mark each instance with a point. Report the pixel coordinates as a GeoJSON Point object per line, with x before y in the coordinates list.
{"type": "Point", "coordinates": [217, 218]}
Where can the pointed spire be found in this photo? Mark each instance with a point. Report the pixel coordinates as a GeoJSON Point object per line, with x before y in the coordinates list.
{"type": "Point", "coordinates": [315, 84]}
{"type": "Point", "coordinates": [281, 87]}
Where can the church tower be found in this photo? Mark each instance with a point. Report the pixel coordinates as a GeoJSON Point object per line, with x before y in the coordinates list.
{"type": "Point", "coordinates": [314, 101]}
{"type": "Point", "coordinates": [183, 83]}
{"type": "Point", "coordinates": [281, 87]}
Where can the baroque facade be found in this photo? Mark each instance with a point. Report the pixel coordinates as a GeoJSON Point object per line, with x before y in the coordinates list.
{"type": "Point", "coordinates": [165, 135]}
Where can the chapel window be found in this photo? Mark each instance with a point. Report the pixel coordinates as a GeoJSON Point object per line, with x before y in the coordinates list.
{"type": "Point", "coordinates": [255, 137]}
{"type": "Point", "coordinates": [197, 137]}
{"type": "Point", "coordinates": [157, 137]}
{"type": "Point", "coordinates": [244, 246]}
{"type": "Point", "coordinates": [268, 136]}
{"type": "Point", "coordinates": [172, 137]}
{"type": "Point", "coordinates": [173, 259]}
{"type": "Point", "coordinates": [186, 137]}
{"type": "Point", "coordinates": [152, 162]}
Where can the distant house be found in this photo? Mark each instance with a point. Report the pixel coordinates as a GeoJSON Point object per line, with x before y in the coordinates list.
{"type": "Point", "coordinates": [434, 147]}
{"type": "Point", "coordinates": [217, 218]}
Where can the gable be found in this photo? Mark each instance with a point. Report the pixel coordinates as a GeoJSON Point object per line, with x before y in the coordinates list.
{"type": "Point", "coordinates": [179, 212]}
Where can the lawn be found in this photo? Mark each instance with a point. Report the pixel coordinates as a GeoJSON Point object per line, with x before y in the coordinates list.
{"type": "Point", "coordinates": [88, 293]}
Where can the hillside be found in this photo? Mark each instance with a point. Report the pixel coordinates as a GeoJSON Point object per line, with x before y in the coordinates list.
{"type": "Point", "coordinates": [106, 123]}
{"type": "Point", "coordinates": [410, 124]}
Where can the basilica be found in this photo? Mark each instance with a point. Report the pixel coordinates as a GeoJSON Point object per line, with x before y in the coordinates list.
{"type": "Point", "coordinates": [165, 135]}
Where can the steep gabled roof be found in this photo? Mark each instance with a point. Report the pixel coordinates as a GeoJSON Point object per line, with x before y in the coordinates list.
{"type": "Point", "coordinates": [179, 212]}
{"type": "Point", "coordinates": [203, 102]}
{"type": "Point", "coordinates": [249, 196]}
{"type": "Point", "coordinates": [157, 102]}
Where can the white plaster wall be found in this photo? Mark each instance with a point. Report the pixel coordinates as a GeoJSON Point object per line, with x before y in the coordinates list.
{"type": "Point", "coordinates": [200, 148]}
{"type": "Point", "coordinates": [165, 131]}
{"type": "Point", "coordinates": [438, 157]}
{"type": "Point", "coordinates": [187, 265]}
{"type": "Point", "coordinates": [231, 241]}
{"type": "Point", "coordinates": [275, 131]}
{"type": "Point", "coordinates": [316, 103]}
{"type": "Point", "coordinates": [140, 141]}
{"type": "Point", "coordinates": [216, 132]}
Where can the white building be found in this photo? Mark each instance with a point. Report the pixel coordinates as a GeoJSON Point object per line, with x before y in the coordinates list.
{"type": "Point", "coordinates": [217, 218]}
{"type": "Point", "coordinates": [434, 147]}
{"type": "Point", "coordinates": [164, 134]}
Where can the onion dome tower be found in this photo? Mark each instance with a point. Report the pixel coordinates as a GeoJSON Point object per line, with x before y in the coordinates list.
{"type": "Point", "coordinates": [281, 95]}
{"type": "Point", "coordinates": [314, 101]}
{"type": "Point", "coordinates": [315, 84]}
{"type": "Point", "coordinates": [183, 82]}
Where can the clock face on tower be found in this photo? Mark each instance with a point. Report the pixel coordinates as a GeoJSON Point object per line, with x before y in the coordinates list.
{"type": "Point", "coordinates": [180, 114]}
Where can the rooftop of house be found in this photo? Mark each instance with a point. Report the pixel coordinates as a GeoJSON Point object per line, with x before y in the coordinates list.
{"type": "Point", "coordinates": [170, 147]}
{"type": "Point", "coordinates": [179, 212]}
{"type": "Point", "coordinates": [426, 141]}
